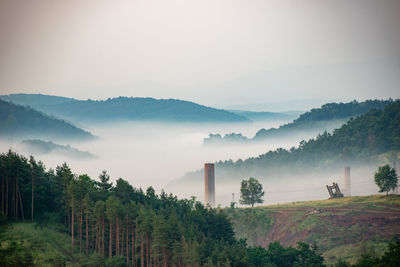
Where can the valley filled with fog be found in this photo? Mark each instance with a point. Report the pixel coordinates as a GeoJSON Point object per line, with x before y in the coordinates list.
{"type": "Point", "coordinates": [156, 154]}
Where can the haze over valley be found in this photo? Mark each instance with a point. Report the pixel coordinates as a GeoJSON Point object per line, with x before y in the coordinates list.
{"type": "Point", "coordinates": [132, 149]}
{"type": "Point", "coordinates": [149, 152]}
{"type": "Point", "coordinates": [200, 133]}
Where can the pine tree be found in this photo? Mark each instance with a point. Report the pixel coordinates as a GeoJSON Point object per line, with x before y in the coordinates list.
{"type": "Point", "coordinates": [104, 185]}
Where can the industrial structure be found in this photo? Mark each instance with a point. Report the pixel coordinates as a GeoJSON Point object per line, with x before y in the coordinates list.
{"type": "Point", "coordinates": [334, 191]}
{"type": "Point", "coordinates": [347, 182]}
{"type": "Point", "coordinates": [209, 182]}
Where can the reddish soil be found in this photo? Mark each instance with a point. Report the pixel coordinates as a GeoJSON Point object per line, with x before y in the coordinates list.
{"type": "Point", "coordinates": [338, 225]}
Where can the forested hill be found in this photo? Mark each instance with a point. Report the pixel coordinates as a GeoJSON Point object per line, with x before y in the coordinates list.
{"type": "Point", "coordinates": [335, 112]}
{"type": "Point", "coordinates": [326, 118]}
{"type": "Point", "coordinates": [360, 140]}
{"type": "Point", "coordinates": [24, 122]}
{"type": "Point", "coordinates": [40, 147]}
{"type": "Point", "coordinates": [332, 111]}
{"type": "Point", "coordinates": [36, 100]}
{"type": "Point", "coordinates": [125, 108]}
{"type": "Point", "coordinates": [85, 222]}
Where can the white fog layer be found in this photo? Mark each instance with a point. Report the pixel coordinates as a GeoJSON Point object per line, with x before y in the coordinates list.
{"type": "Point", "coordinates": [150, 154]}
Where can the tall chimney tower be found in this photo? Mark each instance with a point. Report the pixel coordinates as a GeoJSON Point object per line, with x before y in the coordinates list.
{"type": "Point", "coordinates": [209, 182]}
{"type": "Point", "coordinates": [347, 182]}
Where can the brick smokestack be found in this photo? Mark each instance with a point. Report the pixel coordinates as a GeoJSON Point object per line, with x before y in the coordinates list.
{"type": "Point", "coordinates": [209, 182]}
{"type": "Point", "coordinates": [347, 182]}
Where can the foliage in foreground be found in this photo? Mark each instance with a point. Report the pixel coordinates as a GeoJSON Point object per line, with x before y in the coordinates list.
{"type": "Point", "coordinates": [391, 258]}
{"type": "Point", "coordinates": [29, 244]}
{"type": "Point", "coordinates": [80, 221]}
{"type": "Point", "coordinates": [111, 224]}
{"type": "Point", "coordinates": [250, 224]}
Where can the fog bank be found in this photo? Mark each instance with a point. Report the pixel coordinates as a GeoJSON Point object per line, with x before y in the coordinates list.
{"type": "Point", "coordinates": [150, 154]}
{"type": "Point", "coordinates": [153, 153]}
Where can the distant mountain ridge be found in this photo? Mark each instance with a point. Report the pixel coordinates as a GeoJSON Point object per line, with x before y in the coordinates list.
{"type": "Point", "coordinates": [36, 100]}
{"type": "Point", "coordinates": [18, 121]}
{"type": "Point", "coordinates": [267, 116]}
{"type": "Point", "coordinates": [124, 108]}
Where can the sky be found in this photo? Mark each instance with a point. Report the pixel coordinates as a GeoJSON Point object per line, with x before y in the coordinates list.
{"type": "Point", "coordinates": [222, 53]}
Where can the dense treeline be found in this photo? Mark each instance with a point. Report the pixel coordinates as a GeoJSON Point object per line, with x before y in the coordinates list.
{"type": "Point", "coordinates": [332, 111]}
{"type": "Point", "coordinates": [328, 112]}
{"type": "Point", "coordinates": [360, 140]}
{"type": "Point", "coordinates": [326, 118]}
{"type": "Point", "coordinates": [20, 121]}
{"type": "Point", "coordinates": [121, 223]}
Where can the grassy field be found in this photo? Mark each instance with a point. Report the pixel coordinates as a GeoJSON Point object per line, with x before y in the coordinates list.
{"type": "Point", "coordinates": [374, 201]}
{"type": "Point", "coordinates": [342, 228]}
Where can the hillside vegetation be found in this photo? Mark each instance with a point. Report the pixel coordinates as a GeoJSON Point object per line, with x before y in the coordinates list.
{"type": "Point", "coordinates": [39, 244]}
{"type": "Point", "coordinates": [85, 222]}
{"type": "Point", "coordinates": [344, 228]}
{"type": "Point", "coordinates": [360, 141]}
{"type": "Point", "coordinates": [125, 109]}
{"type": "Point", "coordinates": [326, 118]}
{"type": "Point", "coordinates": [39, 147]}
{"type": "Point", "coordinates": [335, 112]}
{"type": "Point", "coordinates": [24, 122]}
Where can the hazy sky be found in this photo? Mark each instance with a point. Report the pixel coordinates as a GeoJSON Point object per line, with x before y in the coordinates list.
{"type": "Point", "coordinates": [215, 52]}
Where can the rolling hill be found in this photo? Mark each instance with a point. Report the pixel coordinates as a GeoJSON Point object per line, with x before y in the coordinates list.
{"type": "Point", "coordinates": [326, 118]}
{"type": "Point", "coordinates": [19, 122]}
{"type": "Point", "coordinates": [331, 112]}
{"type": "Point", "coordinates": [362, 140]}
{"type": "Point", "coordinates": [342, 228]}
{"type": "Point", "coordinates": [124, 109]}
{"type": "Point", "coordinates": [40, 147]}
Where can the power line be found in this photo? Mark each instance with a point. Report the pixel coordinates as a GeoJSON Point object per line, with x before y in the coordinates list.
{"type": "Point", "coordinates": [312, 188]}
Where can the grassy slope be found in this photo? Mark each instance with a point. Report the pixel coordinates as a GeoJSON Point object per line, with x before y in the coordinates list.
{"type": "Point", "coordinates": [342, 228]}
{"type": "Point", "coordinates": [46, 246]}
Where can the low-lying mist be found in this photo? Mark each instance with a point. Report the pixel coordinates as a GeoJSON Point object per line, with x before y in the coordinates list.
{"type": "Point", "coordinates": [287, 187]}
{"type": "Point", "coordinates": [154, 154]}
